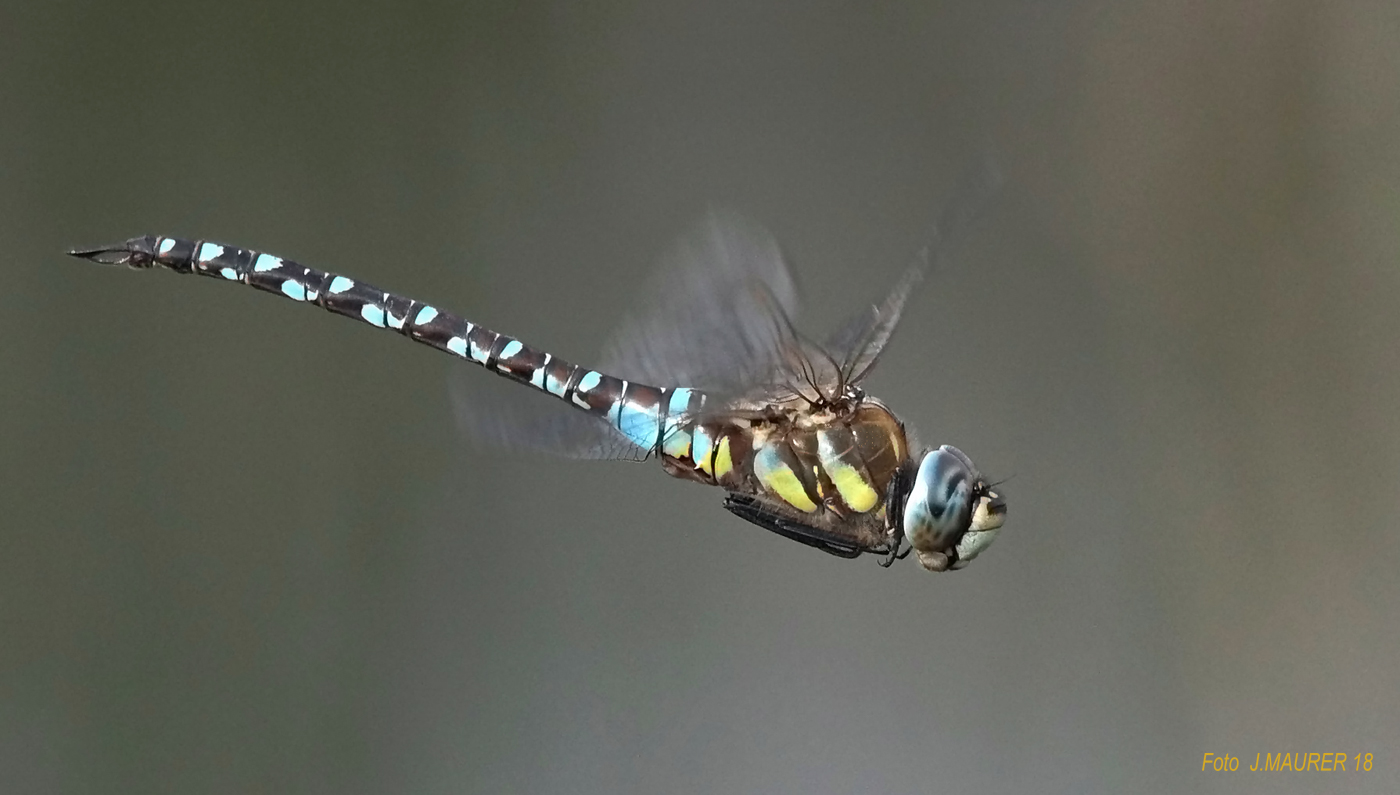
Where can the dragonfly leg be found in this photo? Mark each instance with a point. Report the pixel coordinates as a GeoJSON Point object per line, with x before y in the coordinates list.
{"type": "Point", "coordinates": [754, 510]}
{"type": "Point", "coordinates": [895, 552]}
{"type": "Point", "coordinates": [890, 557]}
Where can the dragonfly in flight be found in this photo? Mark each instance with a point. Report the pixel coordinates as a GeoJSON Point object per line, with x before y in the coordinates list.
{"type": "Point", "coordinates": [719, 387]}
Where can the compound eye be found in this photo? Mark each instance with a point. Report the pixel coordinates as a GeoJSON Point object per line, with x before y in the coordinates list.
{"type": "Point", "coordinates": [940, 503]}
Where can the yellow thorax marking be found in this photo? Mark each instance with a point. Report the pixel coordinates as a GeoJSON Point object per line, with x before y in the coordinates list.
{"type": "Point", "coordinates": [852, 487]}
{"type": "Point", "coordinates": [722, 462]}
{"type": "Point", "coordinates": [704, 449]}
{"type": "Point", "coordinates": [774, 473]}
{"type": "Point", "coordinates": [849, 482]}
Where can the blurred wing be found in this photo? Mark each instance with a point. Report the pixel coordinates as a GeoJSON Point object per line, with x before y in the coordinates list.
{"type": "Point", "coordinates": [717, 316]}
{"type": "Point", "coordinates": [503, 414]}
{"type": "Point", "coordinates": [858, 343]}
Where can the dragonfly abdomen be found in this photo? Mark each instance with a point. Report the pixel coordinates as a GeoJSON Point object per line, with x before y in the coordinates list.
{"type": "Point", "coordinates": [644, 414]}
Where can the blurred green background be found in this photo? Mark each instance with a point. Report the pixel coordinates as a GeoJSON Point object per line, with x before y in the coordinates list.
{"type": "Point", "coordinates": [245, 549]}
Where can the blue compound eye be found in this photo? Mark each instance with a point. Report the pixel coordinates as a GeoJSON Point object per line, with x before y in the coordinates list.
{"type": "Point", "coordinates": [951, 514]}
{"type": "Point", "coordinates": [940, 504]}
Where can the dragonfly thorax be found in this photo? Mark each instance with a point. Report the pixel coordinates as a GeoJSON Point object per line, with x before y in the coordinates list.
{"type": "Point", "coordinates": [832, 464]}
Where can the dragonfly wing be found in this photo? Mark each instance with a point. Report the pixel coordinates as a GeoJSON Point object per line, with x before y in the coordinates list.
{"type": "Point", "coordinates": [501, 414]}
{"type": "Point", "coordinates": [857, 344]}
{"type": "Point", "coordinates": [717, 316]}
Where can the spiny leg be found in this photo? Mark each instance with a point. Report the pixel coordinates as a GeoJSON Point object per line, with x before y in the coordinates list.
{"type": "Point", "coordinates": [752, 509]}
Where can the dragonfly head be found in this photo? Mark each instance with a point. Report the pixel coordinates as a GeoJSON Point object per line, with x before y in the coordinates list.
{"type": "Point", "coordinates": [951, 514]}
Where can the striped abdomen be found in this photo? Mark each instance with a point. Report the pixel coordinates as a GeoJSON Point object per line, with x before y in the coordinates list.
{"type": "Point", "coordinates": [646, 415]}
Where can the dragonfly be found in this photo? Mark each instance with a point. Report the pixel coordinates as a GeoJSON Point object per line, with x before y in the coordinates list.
{"type": "Point", "coordinates": [712, 380]}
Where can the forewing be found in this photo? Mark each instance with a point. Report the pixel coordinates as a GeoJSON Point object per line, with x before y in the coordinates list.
{"type": "Point", "coordinates": [857, 344]}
